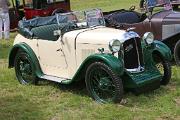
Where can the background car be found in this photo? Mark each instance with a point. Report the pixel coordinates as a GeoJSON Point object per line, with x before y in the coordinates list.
{"type": "Point", "coordinates": [33, 8]}
{"type": "Point", "coordinates": [78, 46]}
{"type": "Point", "coordinates": [159, 18]}
{"type": "Point", "coordinates": [174, 3]}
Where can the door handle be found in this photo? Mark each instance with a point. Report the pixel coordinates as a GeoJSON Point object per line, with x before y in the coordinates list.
{"type": "Point", "coordinates": [59, 50]}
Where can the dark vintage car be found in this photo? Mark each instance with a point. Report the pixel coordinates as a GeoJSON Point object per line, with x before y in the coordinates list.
{"type": "Point", "coordinates": [174, 3]}
{"type": "Point", "coordinates": [33, 8]}
{"type": "Point", "coordinates": [159, 18]}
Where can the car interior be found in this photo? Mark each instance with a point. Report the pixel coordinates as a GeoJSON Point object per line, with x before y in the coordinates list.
{"type": "Point", "coordinates": [44, 27]}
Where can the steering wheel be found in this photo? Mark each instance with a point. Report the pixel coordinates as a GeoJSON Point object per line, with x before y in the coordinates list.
{"type": "Point", "coordinates": [59, 10]}
{"type": "Point", "coordinates": [132, 8]}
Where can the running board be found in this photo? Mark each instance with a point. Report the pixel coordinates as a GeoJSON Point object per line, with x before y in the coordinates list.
{"type": "Point", "coordinates": [53, 78]}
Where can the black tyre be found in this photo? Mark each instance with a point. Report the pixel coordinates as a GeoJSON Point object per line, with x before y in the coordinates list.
{"type": "Point", "coordinates": [175, 7]}
{"type": "Point", "coordinates": [164, 67]}
{"type": "Point", "coordinates": [177, 53]}
{"type": "Point", "coordinates": [103, 84]}
{"type": "Point", "coordinates": [24, 68]}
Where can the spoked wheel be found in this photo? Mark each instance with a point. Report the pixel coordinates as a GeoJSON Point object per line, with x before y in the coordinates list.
{"type": "Point", "coordinates": [103, 85]}
{"type": "Point", "coordinates": [177, 53]}
{"type": "Point", "coordinates": [24, 68]}
{"type": "Point", "coordinates": [164, 68]}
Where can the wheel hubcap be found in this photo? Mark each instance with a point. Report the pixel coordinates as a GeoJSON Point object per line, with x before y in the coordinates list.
{"type": "Point", "coordinates": [25, 70]}
{"type": "Point", "coordinates": [104, 84]}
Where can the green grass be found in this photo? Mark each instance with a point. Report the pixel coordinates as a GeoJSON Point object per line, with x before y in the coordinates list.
{"type": "Point", "coordinates": [105, 5]}
{"type": "Point", "coordinates": [51, 101]}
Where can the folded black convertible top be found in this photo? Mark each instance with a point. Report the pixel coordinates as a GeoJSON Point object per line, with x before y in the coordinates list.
{"type": "Point", "coordinates": [26, 26]}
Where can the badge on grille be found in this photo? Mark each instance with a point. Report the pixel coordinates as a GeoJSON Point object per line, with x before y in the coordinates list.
{"type": "Point", "coordinates": [129, 47]}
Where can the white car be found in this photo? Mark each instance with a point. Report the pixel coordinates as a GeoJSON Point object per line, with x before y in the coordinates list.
{"type": "Point", "coordinates": [78, 46]}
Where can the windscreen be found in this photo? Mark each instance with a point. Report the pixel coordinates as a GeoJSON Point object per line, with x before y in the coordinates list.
{"type": "Point", "coordinates": [28, 3]}
{"type": "Point", "coordinates": [54, 1]}
{"type": "Point", "coordinates": [94, 18]}
{"type": "Point", "coordinates": [89, 18]}
{"type": "Point", "coordinates": [38, 4]}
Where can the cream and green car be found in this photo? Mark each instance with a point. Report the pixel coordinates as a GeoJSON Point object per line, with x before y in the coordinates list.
{"type": "Point", "coordinates": [78, 46]}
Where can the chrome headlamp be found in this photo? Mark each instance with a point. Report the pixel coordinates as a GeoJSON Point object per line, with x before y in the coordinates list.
{"type": "Point", "coordinates": [114, 45]}
{"type": "Point", "coordinates": [148, 38]}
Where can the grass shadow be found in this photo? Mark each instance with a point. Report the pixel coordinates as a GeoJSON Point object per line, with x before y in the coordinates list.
{"type": "Point", "coordinates": [78, 88]}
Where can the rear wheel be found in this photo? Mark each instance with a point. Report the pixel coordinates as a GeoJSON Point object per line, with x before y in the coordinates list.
{"type": "Point", "coordinates": [175, 7]}
{"type": "Point", "coordinates": [103, 84]}
{"type": "Point", "coordinates": [165, 69]}
{"type": "Point", "coordinates": [177, 53]}
{"type": "Point", "coordinates": [24, 68]}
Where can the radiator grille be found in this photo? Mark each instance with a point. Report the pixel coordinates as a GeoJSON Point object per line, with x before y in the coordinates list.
{"type": "Point", "coordinates": [133, 55]}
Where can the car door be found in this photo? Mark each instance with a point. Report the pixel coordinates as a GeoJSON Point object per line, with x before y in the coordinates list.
{"type": "Point", "coordinates": [52, 58]}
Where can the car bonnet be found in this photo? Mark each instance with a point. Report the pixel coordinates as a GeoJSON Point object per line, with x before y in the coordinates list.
{"type": "Point", "coordinates": [103, 35]}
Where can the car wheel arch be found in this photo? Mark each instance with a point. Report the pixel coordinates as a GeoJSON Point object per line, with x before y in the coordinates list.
{"type": "Point", "coordinates": [176, 53]}
{"type": "Point", "coordinates": [116, 64]}
{"type": "Point", "coordinates": [156, 53]}
{"type": "Point", "coordinates": [26, 48]}
{"type": "Point", "coordinates": [158, 58]}
{"type": "Point", "coordinates": [163, 50]}
{"type": "Point", "coordinates": [12, 55]}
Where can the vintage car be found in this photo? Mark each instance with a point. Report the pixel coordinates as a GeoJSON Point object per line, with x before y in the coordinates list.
{"type": "Point", "coordinates": [78, 46]}
{"type": "Point", "coordinates": [174, 3]}
{"type": "Point", "coordinates": [29, 9]}
{"type": "Point", "coordinates": [159, 18]}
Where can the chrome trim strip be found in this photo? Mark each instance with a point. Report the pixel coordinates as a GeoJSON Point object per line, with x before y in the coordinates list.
{"type": "Point", "coordinates": [140, 68]}
{"type": "Point", "coordinates": [139, 63]}
{"type": "Point", "coordinates": [53, 78]}
{"type": "Point", "coordinates": [136, 70]}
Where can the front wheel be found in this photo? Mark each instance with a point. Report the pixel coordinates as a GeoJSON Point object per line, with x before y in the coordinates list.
{"type": "Point", "coordinates": [103, 84]}
{"type": "Point", "coordinates": [165, 69]}
{"type": "Point", "coordinates": [177, 53]}
{"type": "Point", "coordinates": [24, 68]}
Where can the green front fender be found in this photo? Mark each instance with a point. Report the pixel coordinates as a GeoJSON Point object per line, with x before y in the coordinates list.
{"type": "Point", "coordinates": [27, 49]}
{"type": "Point", "coordinates": [163, 49]}
{"type": "Point", "coordinates": [117, 65]}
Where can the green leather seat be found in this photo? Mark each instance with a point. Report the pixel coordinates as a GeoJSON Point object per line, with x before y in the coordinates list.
{"type": "Point", "coordinates": [46, 32]}
{"type": "Point", "coordinates": [41, 27]}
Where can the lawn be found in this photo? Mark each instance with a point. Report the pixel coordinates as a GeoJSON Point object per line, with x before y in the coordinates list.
{"type": "Point", "coordinates": [51, 101]}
